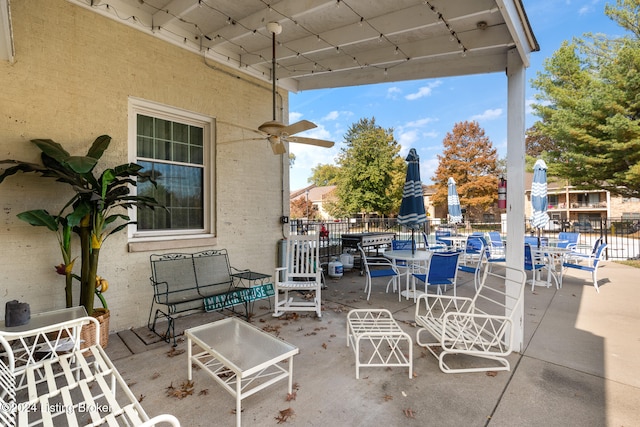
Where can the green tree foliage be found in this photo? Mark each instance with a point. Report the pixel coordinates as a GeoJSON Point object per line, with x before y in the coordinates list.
{"type": "Point", "coordinates": [323, 175]}
{"type": "Point", "coordinates": [469, 157]}
{"type": "Point", "coordinates": [589, 105]}
{"type": "Point", "coordinates": [371, 171]}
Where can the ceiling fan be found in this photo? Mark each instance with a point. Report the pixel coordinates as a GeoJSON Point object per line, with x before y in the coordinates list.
{"type": "Point", "coordinates": [276, 132]}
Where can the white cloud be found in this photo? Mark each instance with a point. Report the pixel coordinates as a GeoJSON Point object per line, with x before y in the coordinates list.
{"type": "Point", "coordinates": [406, 139]}
{"type": "Point", "coordinates": [423, 91]}
{"type": "Point", "coordinates": [294, 116]}
{"type": "Point", "coordinates": [419, 123]}
{"type": "Point", "coordinates": [392, 92]}
{"type": "Point", "coordinates": [333, 115]}
{"type": "Point", "coordinates": [493, 114]}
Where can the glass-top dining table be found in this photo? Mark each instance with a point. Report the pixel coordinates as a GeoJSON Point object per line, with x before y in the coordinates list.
{"type": "Point", "coordinates": [409, 260]}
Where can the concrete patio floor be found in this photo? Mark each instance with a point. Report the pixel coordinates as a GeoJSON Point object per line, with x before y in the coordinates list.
{"type": "Point", "coordinates": [579, 367]}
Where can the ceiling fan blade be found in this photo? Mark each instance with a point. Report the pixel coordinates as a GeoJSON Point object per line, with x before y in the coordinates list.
{"type": "Point", "coordinates": [311, 141]}
{"type": "Point", "coordinates": [297, 127]}
{"type": "Point", "coordinates": [278, 147]}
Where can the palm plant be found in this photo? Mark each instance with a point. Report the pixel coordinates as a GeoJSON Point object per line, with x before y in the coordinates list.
{"type": "Point", "coordinates": [96, 210]}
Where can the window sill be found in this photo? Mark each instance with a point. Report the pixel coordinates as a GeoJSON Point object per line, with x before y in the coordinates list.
{"type": "Point", "coordinates": [168, 243]}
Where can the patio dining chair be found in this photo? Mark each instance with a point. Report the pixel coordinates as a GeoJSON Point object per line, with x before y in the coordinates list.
{"type": "Point", "coordinates": [375, 267]}
{"type": "Point", "coordinates": [496, 245]}
{"type": "Point", "coordinates": [404, 268]}
{"type": "Point", "coordinates": [568, 240]}
{"type": "Point", "coordinates": [443, 233]}
{"type": "Point", "coordinates": [533, 263]}
{"type": "Point", "coordinates": [300, 275]}
{"type": "Point", "coordinates": [441, 271]}
{"type": "Point", "coordinates": [436, 247]}
{"type": "Point", "coordinates": [474, 255]}
{"type": "Point", "coordinates": [591, 263]}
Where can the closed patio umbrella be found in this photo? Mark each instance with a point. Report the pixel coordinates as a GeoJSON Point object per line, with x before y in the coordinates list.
{"type": "Point", "coordinates": [453, 202]}
{"type": "Point", "coordinates": [412, 214]}
{"type": "Point", "coordinates": [539, 218]}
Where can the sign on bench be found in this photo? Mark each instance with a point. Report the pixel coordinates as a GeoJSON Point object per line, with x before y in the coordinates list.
{"type": "Point", "coordinates": [238, 296]}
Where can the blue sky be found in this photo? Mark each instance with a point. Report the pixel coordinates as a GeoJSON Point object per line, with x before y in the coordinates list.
{"type": "Point", "coordinates": [421, 112]}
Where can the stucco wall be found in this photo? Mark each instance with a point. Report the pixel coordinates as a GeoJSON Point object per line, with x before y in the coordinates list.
{"type": "Point", "coordinates": [73, 73]}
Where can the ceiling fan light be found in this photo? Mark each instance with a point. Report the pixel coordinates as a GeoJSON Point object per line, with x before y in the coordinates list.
{"type": "Point", "coordinates": [274, 27]}
{"type": "Point", "coordinates": [272, 127]}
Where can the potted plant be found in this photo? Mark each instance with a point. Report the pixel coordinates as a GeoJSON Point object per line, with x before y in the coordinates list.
{"type": "Point", "coordinates": [95, 210]}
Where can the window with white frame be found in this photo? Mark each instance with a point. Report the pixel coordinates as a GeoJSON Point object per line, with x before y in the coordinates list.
{"type": "Point", "coordinates": [175, 146]}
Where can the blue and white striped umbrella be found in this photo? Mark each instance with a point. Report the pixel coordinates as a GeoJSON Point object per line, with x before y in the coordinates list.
{"type": "Point", "coordinates": [539, 218]}
{"type": "Point", "coordinates": [412, 214]}
{"type": "Point", "coordinates": [453, 202]}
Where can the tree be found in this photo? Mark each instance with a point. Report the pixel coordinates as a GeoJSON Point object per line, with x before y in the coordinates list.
{"type": "Point", "coordinates": [470, 159]}
{"type": "Point", "coordinates": [589, 105]}
{"type": "Point", "coordinates": [303, 208]}
{"type": "Point", "coordinates": [371, 171]}
{"type": "Point", "coordinates": [323, 175]}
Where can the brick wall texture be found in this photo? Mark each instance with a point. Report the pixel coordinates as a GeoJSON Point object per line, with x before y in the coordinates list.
{"type": "Point", "coordinates": [73, 75]}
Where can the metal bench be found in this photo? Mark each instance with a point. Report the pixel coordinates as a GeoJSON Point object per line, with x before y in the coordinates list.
{"type": "Point", "coordinates": [476, 327]}
{"type": "Point", "coordinates": [62, 384]}
{"type": "Point", "coordinates": [184, 282]}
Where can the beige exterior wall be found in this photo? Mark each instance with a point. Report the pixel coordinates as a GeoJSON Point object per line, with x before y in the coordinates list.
{"type": "Point", "coordinates": [73, 74]}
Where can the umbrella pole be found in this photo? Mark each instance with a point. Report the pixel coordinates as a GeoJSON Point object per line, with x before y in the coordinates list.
{"type": "Point", "coordinates": [413, 242]}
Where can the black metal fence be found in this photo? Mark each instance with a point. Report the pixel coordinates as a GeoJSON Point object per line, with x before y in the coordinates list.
{"type": "Point", "coordinates": [622, 235]}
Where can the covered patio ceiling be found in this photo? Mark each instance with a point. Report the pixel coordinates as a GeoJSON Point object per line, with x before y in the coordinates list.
{"type": "Point", "coordinates": [335, 43]}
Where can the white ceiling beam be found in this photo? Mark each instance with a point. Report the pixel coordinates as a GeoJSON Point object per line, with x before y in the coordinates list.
{"type": "Point", "coordinates": [449, 67]}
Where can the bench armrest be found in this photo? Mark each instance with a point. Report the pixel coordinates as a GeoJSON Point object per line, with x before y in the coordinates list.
{"type": "Point", "coordinates": [471, 330]}
{"type": "Point", "coordinates": [436, 306]}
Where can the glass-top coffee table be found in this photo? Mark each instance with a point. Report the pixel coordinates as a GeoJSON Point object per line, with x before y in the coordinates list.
{"type": "Point", "coordinates": [240, 357]}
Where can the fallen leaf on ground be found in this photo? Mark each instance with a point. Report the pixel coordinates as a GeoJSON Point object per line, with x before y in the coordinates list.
{"type": "Point", "coordinates": [173, 352]}
{"type": "Point", "coordinates": [388, 397]}
{"type": "Point", "coordinates": [185, 389]}
{"type": "Point", "coordinates": [491, 373]}
{"type": "Point", "coordinates": [285, 414]}
{"type": "Point", "coordinates": [291, 396]}
{"type": "Point", "coordinates": [408, 412]}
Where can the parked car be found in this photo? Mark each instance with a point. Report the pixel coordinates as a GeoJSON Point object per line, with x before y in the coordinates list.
{"type": "Point", "coordinates": [552, 225]}
{"type": "Point", "coordinates": [582, 227]}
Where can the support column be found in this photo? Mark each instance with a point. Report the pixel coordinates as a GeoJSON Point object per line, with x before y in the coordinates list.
{"type": "Point", "coordinates": [516, 84]}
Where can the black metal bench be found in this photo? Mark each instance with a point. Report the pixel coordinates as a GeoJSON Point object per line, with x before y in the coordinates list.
{"type": "Point", "coordinates": [184, 282]}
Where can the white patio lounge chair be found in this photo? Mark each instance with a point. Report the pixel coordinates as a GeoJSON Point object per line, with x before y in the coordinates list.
{"type": "Point", "coordinates": [481, 327]}
{"type": "Point", "coordinates": [300, 275]}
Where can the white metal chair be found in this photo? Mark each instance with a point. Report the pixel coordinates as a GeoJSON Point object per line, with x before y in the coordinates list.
{"type": "Point", "coordinates": [496, 245]}
{"type": "Point", "coordinates": [534, 264]}
{"type": "Point", "coordinates": [473, 257]}
{"type": "Point", "coordinates": [571, 239]}
{"type": "Point", "coordinates": [436, 247]}
{"type": "Point", "coordinates": [378, 267]}
{"type": "Point", "coordinates": [300, 274]}
{"type": "Point", "coordinates": [590, 265]}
